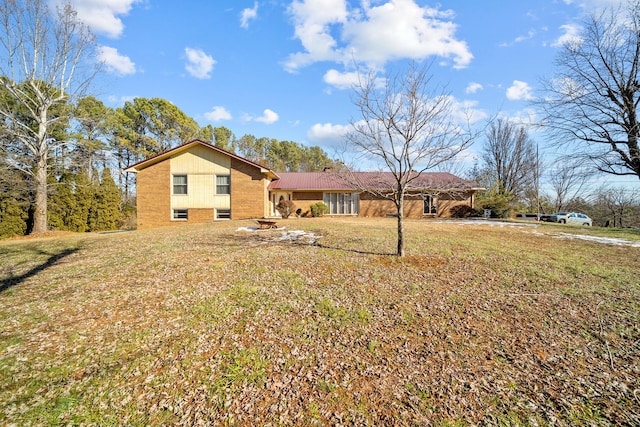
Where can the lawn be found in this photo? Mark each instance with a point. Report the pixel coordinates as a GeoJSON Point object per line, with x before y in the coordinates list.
{"type": "Point", "coordinates": [213, 325]}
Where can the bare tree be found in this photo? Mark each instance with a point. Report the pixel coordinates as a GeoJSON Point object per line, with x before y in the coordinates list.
{"type": "Point", "coordinates": [567, 181]}
{"type": "Point", "coordinates": [617, 203]}
{"type": "Point", "coordinates": [408, 128]}
{"type": "Point", "coordinates": [43, 69]}
{"type": "Point", "coordinates": [591, 104]}
{"type": "Point", "coordinates": [510, 158]}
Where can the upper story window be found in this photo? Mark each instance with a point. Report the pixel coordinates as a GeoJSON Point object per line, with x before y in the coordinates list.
{"type": "Point", "coordinates": [223, 184]}
{"type": "Point", "coordinates": [179, 184]}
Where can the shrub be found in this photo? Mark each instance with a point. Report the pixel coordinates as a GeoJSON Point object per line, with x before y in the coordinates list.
{"type": "Point", "coordinates": [286, 208]}
{"type": "Point", "coordinates": [462, 211]}
{"type": "Point", "coordinates": [319, 209]}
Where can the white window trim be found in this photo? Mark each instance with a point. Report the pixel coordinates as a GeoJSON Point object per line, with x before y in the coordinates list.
{"type": "Point", "coordinates": [222, 219]}
{"type": "Point", "coordinates": [331, 197]}
{"type": "Point", "coordinates": [173, 217]}
{"type": "Point", "coordinates": [228, 185]}
{"type": "Point", "coordinates": [433, 205]}
{"type": "Point", "coordinates": [173, 193]}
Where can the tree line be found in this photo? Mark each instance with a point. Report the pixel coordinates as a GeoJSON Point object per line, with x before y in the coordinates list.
{"type": "Point", "coordinates": [93, 139]}
{"type": "Point", "coordinates": [56, 139]}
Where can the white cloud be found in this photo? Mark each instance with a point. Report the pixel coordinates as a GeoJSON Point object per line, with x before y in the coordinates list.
{"type": "Point", "coordinates": [199, 64]}
{"type": "Point", "coordinates": [120, 100]}
{"type": "Point", "coordinates": [327, 133]}
{"type": "Point", "coordinates": [473, 87]}
{"type": "Point", "coordinates": [218, 114]}
{"type": "Point", "coordinates": [530, 34]}
{"type": "Point", "coordinates": [464, 112]}
{"type": "Point", "coordinates": [115, 62]}
{"type": "Point", "coordinates": [571, 35]}
{"type": "Point", "coordinates": [347, 80]}
{"type": "Point", "coordinates": [248, 14]}
{"type": "Point", "coordinates": [268, 117]}
{"type": "Point", "coordinates": [341, 80]}
{"type": "Point", "coordinates": [519, 91]}
{"type": "Point", "coordinates": [102, 15]}
{"type": "Point", "coordinates": [397, 29]}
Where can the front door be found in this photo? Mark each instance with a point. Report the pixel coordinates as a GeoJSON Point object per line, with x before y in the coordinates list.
{"type": "Point", "coordinates": [276, 197]}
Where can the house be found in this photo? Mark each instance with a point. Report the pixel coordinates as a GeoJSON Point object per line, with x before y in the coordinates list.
{"type": "Point", "coordinates": [198, 182]}
{"type": "Point", "coordinates": [430, 194]}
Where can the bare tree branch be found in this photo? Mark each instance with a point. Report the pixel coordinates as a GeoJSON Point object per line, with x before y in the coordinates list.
{"type": "Point", "coordinates": [591, 104]}
{"type": "Point", "coordinates": [48, 64]}
{"type": "Point", "coordinates": [407, 128]}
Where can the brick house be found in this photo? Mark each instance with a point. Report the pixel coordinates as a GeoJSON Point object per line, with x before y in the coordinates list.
{"type": "Point", "coordinates": [431, 194]}
{"type": "Point", "coordinates": [198, 182]}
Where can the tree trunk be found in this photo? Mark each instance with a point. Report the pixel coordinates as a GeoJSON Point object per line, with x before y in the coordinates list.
{"type": "Point", "coordinates": [40, 202]}
{"type": "Point", "coordinates": [401, 226]}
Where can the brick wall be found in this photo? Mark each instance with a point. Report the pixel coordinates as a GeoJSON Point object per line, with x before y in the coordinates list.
{"type": "Point", "coordinates": [304, 201]}
{"type": "Point", "coordinates": [153, 187]}
{"type": "Point", "coordinates": [248, 191]}
{"type": "Point", "coordinates": [199, 216]}
{"type": "Point", "coordinates": [413, 205]}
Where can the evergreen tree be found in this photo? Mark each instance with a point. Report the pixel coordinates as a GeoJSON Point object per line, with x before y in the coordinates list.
{"type": "Point", "coordinates": [14, 199]}
{"type": "Point", "coordinates": [13, 216]}
{"type": "Point", "coordinates": [105, 213]}
{"type": "Point", "coordinates": [62, 203]}
{"type": "Point", "coordinates": [85, 195]}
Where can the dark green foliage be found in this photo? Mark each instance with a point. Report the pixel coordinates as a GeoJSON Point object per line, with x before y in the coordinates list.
{"type": "Point", "coordinates": [13, 216]}
{"type": "Point", "coordinates": [85, 193]}
{"type": "Point", "coordinates": [62, 202]}
{"type": "Point", "coordinates": [14, 201]}
{"type": "Point", "coordinates": [496, 200]}
{"type": "Point", "coordinates": [105, 213]}
{"type": "Point", "coordinates": [319, 209]}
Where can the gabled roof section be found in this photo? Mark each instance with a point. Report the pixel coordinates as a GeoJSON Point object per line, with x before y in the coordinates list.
{"type": "Point", "coordinates": [137, 167]}
{"type": "Point", "coordinates": [358, 181]}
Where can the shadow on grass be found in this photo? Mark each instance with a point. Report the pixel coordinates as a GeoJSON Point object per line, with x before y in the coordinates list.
{"type": "Point", "coordinates": [54, 258]}
{"type": "Point", "coordinates": [357, 251]}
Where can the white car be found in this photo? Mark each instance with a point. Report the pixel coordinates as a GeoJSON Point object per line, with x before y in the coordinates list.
{"type": "Point", "coordinates": [578, 219]}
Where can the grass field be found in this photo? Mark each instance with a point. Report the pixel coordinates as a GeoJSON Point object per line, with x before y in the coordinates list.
{"type": "Point", "coordinates": [478, 325]}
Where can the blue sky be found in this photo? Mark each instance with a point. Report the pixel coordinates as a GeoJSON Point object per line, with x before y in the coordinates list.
{"type": "Point", "coordinates": [282, 69]}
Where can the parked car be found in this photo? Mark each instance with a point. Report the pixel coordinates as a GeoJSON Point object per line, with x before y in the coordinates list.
{"type": "Point", "coordinates": [560, 217]}
{"type": "Point", "coordinates": [575, 218]}
{"type": "Point", "coordinates": [533, 216]}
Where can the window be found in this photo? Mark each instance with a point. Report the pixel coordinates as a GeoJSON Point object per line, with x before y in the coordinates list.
{"type": "Point", "coordinates": [430, 206]}
{"type": "Point", "coordinates": [179, 184]}
{"type": "Point", "coordinates": [341, 203]}
{"type": "Point", "coordinates": [181, 214]}
{"type": "Point", "coordinates": [223, 213]}
{"type": "Point", "coordinates": [223, 184]}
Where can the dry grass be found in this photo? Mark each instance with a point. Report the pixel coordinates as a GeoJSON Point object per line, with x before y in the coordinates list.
{"type": "Point", "coordinates": [478, 325]}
